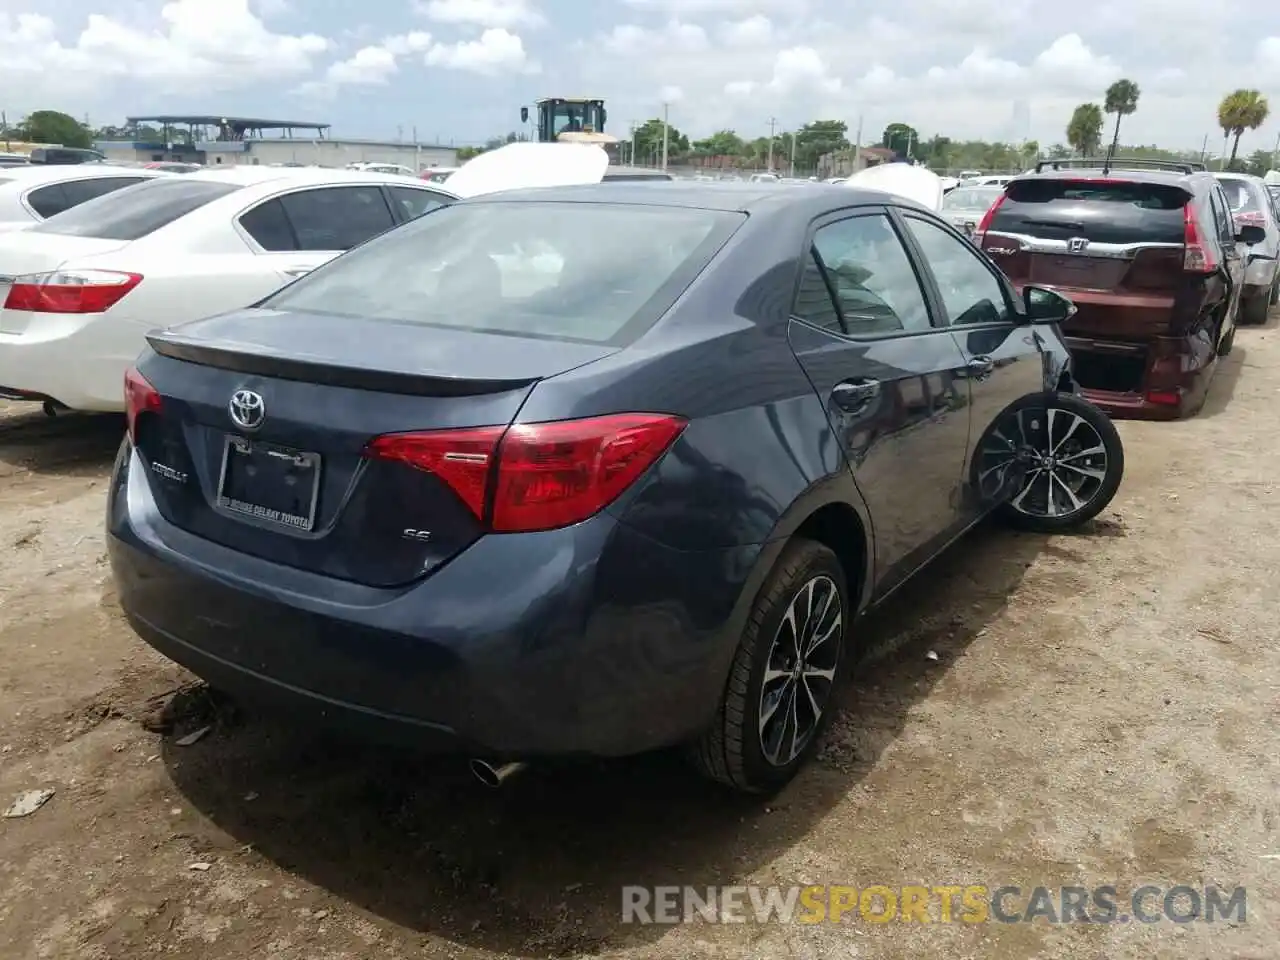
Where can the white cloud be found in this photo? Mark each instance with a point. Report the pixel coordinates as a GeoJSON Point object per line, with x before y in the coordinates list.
{"type": "Point", "coordinates": [481, 13]}
{"type": "Point", "coordinates": [755, 31]}
{"type": "Point", "coordinates": [627, 39]}
{"type": "Point", "coordinates": [198, 45]}
{"type": "Point", "coordinates": [370, 66]}
{"type": "Point", "coordinates": [496, 51]}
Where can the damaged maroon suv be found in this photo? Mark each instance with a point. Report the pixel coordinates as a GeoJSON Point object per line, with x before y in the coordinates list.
{"type": "Point", "coordinates": [1149, 254]}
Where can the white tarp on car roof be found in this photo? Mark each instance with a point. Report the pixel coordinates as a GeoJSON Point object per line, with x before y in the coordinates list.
{"type": "Point", "coordinates": [904, 180]}
{"type": "Point", "coordinates": [520, 165]}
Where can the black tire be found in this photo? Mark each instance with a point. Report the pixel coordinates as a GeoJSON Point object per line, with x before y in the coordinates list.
{"type": "Point", "coordinates": [732, 750]}
{"type": "Point", "coordinates": [1275, 290]}
{"type": "Point", "coordinates": [1254, 310]}
{"type": "Point", "coordinates": [1024, 509]}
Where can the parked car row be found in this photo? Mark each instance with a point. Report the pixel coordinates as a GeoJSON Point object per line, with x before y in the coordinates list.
{"type": "Point", "coordinates": [1161, 261]}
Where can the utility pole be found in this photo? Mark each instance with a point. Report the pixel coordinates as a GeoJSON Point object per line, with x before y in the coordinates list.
{"type": "Point", "coordinates": [666, 134]}
{"type": "Point", "coordinates": [793, 154]}
{"type": "Point", "coordinates": [634, 128]}
{"type": "Point", "coordinates": [773, 122]}
{"type": "Point", "coordinates": [1204, 147]}
{"type": "Point", "coordinates": [857, 146]}
{"type": "Point", "coordinates": [1274, 152]}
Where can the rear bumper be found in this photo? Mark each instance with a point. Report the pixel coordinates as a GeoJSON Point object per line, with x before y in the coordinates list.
{"type": "Point", "coordinates": [1170, 379]}
{"type": "Point", "coordinates": [591, 640]}
{"type": "Point", "coordinates": [76, 360]}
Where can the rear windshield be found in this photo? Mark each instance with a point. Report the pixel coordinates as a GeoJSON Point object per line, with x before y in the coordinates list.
{"type": "Point", "coordinates": [591, 272]}
{"type": "Point", "coordinates": [1101, 211]}
{"type": "Point", "coordinates": [135, 212]}
{"type": "Point", "coordinates": [1240, 195]}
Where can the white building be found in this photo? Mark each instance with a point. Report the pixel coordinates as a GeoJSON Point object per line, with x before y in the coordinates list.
{"type": "Point", "coordinates": [216, 141]}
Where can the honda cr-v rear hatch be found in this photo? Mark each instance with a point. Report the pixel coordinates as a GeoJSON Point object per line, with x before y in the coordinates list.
{"type": "Point", "coordinates": [1124, 250]}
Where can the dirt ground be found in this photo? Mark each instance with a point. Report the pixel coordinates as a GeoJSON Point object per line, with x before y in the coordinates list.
{"type": "Point", "coordinates": [1102, 709]}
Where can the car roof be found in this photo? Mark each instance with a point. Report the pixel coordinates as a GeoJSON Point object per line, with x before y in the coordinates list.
{"type": "Point", "coordinates": [52, 173]}
{"type": "Point", "coordinates": [299, 176]}
{"type": "Point", "coordinates": [739, 197]}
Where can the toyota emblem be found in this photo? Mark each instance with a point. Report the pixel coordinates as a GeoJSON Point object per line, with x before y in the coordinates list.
{"type": "Point", "coordinates": [247, 409]}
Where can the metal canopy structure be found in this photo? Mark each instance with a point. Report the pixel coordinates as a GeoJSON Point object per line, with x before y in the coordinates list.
{"type": "Point", "coordinates": [229, 127]}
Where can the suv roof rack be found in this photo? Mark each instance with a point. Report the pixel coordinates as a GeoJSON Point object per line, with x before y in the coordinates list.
{"type": "Point", "coordinates": [1124, 163]}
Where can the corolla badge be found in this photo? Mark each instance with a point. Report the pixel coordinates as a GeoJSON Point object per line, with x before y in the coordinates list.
{"type": "Point", "coordinates": [247, 409]}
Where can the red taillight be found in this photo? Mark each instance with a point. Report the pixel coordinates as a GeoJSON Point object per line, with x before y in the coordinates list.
{"type": "Point", "coordinates": [139, 397]}
{"type": "Point", "coordinates": [1196, 258]}
{"type": "Point", "coordinates": [985, 223]}
{"type": "Point", "coordinates": [537, 476]}
{"type": "Point", "coordinates": [1164, 398]}
{"type": "Point", "coordinates": [72, 291]}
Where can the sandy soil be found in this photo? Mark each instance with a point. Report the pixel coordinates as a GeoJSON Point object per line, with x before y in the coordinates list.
{"type": "Point", "coordinates": [1102, 709]}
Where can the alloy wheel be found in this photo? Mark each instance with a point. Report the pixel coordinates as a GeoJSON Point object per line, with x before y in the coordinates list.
{"type": "Point", "coordinates": [801, 670]}
{"type": "Point", "coordinates": [1060, 456]}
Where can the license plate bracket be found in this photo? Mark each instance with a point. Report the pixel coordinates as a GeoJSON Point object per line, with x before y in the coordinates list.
{"type": "Point", "coordinates": [269, 483]}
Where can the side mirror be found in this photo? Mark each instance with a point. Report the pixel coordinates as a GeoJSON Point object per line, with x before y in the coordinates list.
{"type": "Point", "coordinates": [1250, 235]}
{"type": "Point", "coordinates": [1044, 305]}
{"type": "Point", "coordinates": [524, 114]}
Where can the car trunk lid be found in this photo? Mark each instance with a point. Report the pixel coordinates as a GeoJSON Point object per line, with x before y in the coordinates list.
{"type": "Point", "coordinates": [298, 487]}
{"type": "Point", "coordinates": [1116, 247]}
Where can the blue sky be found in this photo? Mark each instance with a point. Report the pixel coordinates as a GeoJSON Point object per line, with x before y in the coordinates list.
{"type": "Point", "coordinates": [459, 70]}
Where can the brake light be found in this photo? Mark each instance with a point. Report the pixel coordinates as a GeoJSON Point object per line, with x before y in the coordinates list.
{"type": "Point", "coordinates": [1197, 257]}
{"type": "Point", "coordinates": [987, 217]}
{"type": "Point", "coordinates": [72, 291]}
{"type": "Point", "coordinates": [139, 397]}
{"type": "Point", "coordinates": [537, 476]}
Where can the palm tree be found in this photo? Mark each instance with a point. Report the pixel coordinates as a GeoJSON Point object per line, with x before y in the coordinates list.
{"type": "Point", "coordinates": [1241, 110]}
{"type": "Point", "coordinates": [1122, 100]}
{"type": "Point", "coordinates": [1084, 131]}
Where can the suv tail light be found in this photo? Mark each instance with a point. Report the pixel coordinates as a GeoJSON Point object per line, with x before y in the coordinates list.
{"type": "Point", "coordinates": [537, 476]}
{"type": "Point", "coordinates": [72, 291]}
{"type": "Point", "coordinates": [1197, 257]}
{"type": "Point", "coordinates": [985, 223]}
{"type": "Point", "coordinates": [139, 397]}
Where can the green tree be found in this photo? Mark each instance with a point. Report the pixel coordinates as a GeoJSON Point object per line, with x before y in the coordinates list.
{"type": "Point", "coordinates": [50, 126]}
{"type": "Point", "coordinates": [722, 143]}
{"type": "Point", "coordinates": [1260, 162]}
{"type": "Point", "coordinates": [819, 137]}
{"type": "Point", "coordinates": [900, 138]}
{"type": "Point", "coordinates": [648, 141]}
{"type": "Point", "coordinates": [1122, 100]}
{"type": "Point", "coordinates": [1239, 111]}
{"type": "Point", "coordinates": [1084, 131]}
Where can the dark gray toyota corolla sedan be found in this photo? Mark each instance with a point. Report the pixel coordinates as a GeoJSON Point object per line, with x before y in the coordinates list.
{"type": "Point", "coordinates": [591, 470]}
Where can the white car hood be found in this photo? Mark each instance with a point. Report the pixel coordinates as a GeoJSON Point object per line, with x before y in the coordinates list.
{"type": "Point", "coordinates": [521, 165]}
{"type": "Point", "coordinates": [902, 179]}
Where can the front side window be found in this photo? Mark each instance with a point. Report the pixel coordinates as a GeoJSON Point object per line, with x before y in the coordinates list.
{"type": "Point", "coordinates": [594, 272]}
{"type": "Point", "coordinates": [971, 293]}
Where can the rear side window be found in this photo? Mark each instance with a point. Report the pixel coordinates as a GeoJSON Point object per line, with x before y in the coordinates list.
{"type": "Point", "coordinates": [337, 218]}
{"type": "Point", "coordinates": [1100, 211]}
{"type": "Point", "coordinates": [141, 210]}
{"type": "Point", "coordinates": [47, 201]}
{"type": "Point", "coordinates": [268, 225]}
{"type": "Point", "coordinates": [592, 272]}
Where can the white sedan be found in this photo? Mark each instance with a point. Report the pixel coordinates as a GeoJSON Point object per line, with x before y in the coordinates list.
{"type": "Point", "coordinates": [34, 193]}
{"type": "Point", "coordinates": [80, 291]}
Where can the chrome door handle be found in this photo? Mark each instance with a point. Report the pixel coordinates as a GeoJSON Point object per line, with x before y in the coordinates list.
{"type": "Point", "coordinates": [979, 368]}
{"type": "Point", "coordinates": [854, 395]}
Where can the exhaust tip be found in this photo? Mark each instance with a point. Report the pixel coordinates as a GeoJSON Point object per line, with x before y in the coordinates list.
{"type": "Point", "coordinates": [494, 777]}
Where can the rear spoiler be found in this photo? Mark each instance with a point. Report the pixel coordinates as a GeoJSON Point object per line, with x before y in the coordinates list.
{"type": "Point", "coordinates": [1124, 163]}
